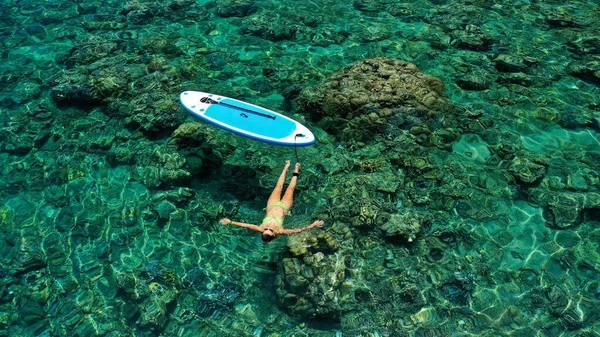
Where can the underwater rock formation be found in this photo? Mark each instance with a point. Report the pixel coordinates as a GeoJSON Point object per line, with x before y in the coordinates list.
{"type": "Point", "coordinates": [304, 242]}
{"type": "Point", "coordinates": [237, 8]}
{"type": "Point", "coordinates": [584, 45]}
{"type": "Point", "coordinates": [202, 149]}
{"type": "Point", "coordinates": [588, 69]}
{"type": "Point", "coordinates": [315, 282]}
{"type": "Point", "coordinates": [368, 97]}
{"type": "Point", "coordinates": [406, 226]}
{"type": "Point", "coordinates": [317, 286]}
{"type": "Point", "coordinates": [271, 26]}
{"type": "Point", "coordinates": [526, 170]}
{"type": "Point", "coordinates": [513, 64]}
{"type": "Point", "coordinates": [76, 89]}
{"type": "Point", "coordinates": [474, 82]}
{"type": "Point", "coordinates": [471, 37]}
{"type": "Point", "coordinates": [154, 112]}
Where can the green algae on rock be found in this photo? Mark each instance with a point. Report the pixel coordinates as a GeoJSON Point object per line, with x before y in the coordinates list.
{"type": "Point", "coordinates": [366, 97]}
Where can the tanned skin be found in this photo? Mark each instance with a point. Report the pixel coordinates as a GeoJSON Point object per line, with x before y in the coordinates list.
{"type": "Point", "coordinates": [271, 228]}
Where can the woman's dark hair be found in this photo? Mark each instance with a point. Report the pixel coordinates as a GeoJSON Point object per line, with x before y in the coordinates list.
{"type": "Point", "coordinates": [266, 237]}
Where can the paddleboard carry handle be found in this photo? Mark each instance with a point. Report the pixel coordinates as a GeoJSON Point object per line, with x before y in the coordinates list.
{"type": "Point", "coordinates": [212, 101]}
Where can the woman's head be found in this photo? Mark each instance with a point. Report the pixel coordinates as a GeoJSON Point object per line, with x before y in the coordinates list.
{"type": "Point", "coordinates": [268, 235]}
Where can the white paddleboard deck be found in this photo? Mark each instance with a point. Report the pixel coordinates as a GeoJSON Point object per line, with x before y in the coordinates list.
{"type": "Point", "coordinates": [246, 119]}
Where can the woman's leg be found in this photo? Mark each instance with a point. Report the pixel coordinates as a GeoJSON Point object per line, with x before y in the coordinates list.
{"type": "Point", "coordinates": [276, 194]}
{"type": "Point", "coordinates": [288, 197]}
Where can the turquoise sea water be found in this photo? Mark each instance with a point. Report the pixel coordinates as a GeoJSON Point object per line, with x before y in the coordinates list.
{"type": "Point", "coordinates": [461, 195]}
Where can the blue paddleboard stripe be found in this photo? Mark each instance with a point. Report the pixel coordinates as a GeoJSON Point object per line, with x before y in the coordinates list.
{"type": "Point", "coordinates": [277, 128]}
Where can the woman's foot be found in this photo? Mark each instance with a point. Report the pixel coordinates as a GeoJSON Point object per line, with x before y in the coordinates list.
{"type": "Point", "coordinates": [287, 165]}
{"type": "Point", "coordinates": [297, 168]}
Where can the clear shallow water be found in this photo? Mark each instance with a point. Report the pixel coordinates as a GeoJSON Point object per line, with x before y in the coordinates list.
{"type": "Point", "coordinates": [482, 220]}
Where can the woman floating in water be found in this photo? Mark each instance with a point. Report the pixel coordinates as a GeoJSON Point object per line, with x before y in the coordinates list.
{"type": "Point", "coordinates": [277, 208]}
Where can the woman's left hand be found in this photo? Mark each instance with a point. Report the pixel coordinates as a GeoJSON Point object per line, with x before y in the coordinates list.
{"type": "Point", "coordinates": [318, 223]}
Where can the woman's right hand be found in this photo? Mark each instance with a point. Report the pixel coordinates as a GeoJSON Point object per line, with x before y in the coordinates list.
{"type": "Point", "coordinates": [224, 221]}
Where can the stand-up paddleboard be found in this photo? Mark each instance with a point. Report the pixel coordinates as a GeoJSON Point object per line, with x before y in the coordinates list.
{"type": "Point", "coordinates": [246, 119]}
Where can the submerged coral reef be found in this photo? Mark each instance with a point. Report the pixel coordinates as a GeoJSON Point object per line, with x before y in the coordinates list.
{"type": "Point", "coordinates": [374, 96]}
{"type": "Point", "coordinates": [457, 169]}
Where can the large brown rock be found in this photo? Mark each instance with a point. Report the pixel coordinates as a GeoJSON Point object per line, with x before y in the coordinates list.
{"type": "Point", "coordinates": [371, 96]}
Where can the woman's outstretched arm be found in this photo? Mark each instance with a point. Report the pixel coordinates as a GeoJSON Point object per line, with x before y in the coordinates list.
{"type": "Point", "coordinates": [318, 223]}
{"type": "Point", "coordinates": [226, 221]}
